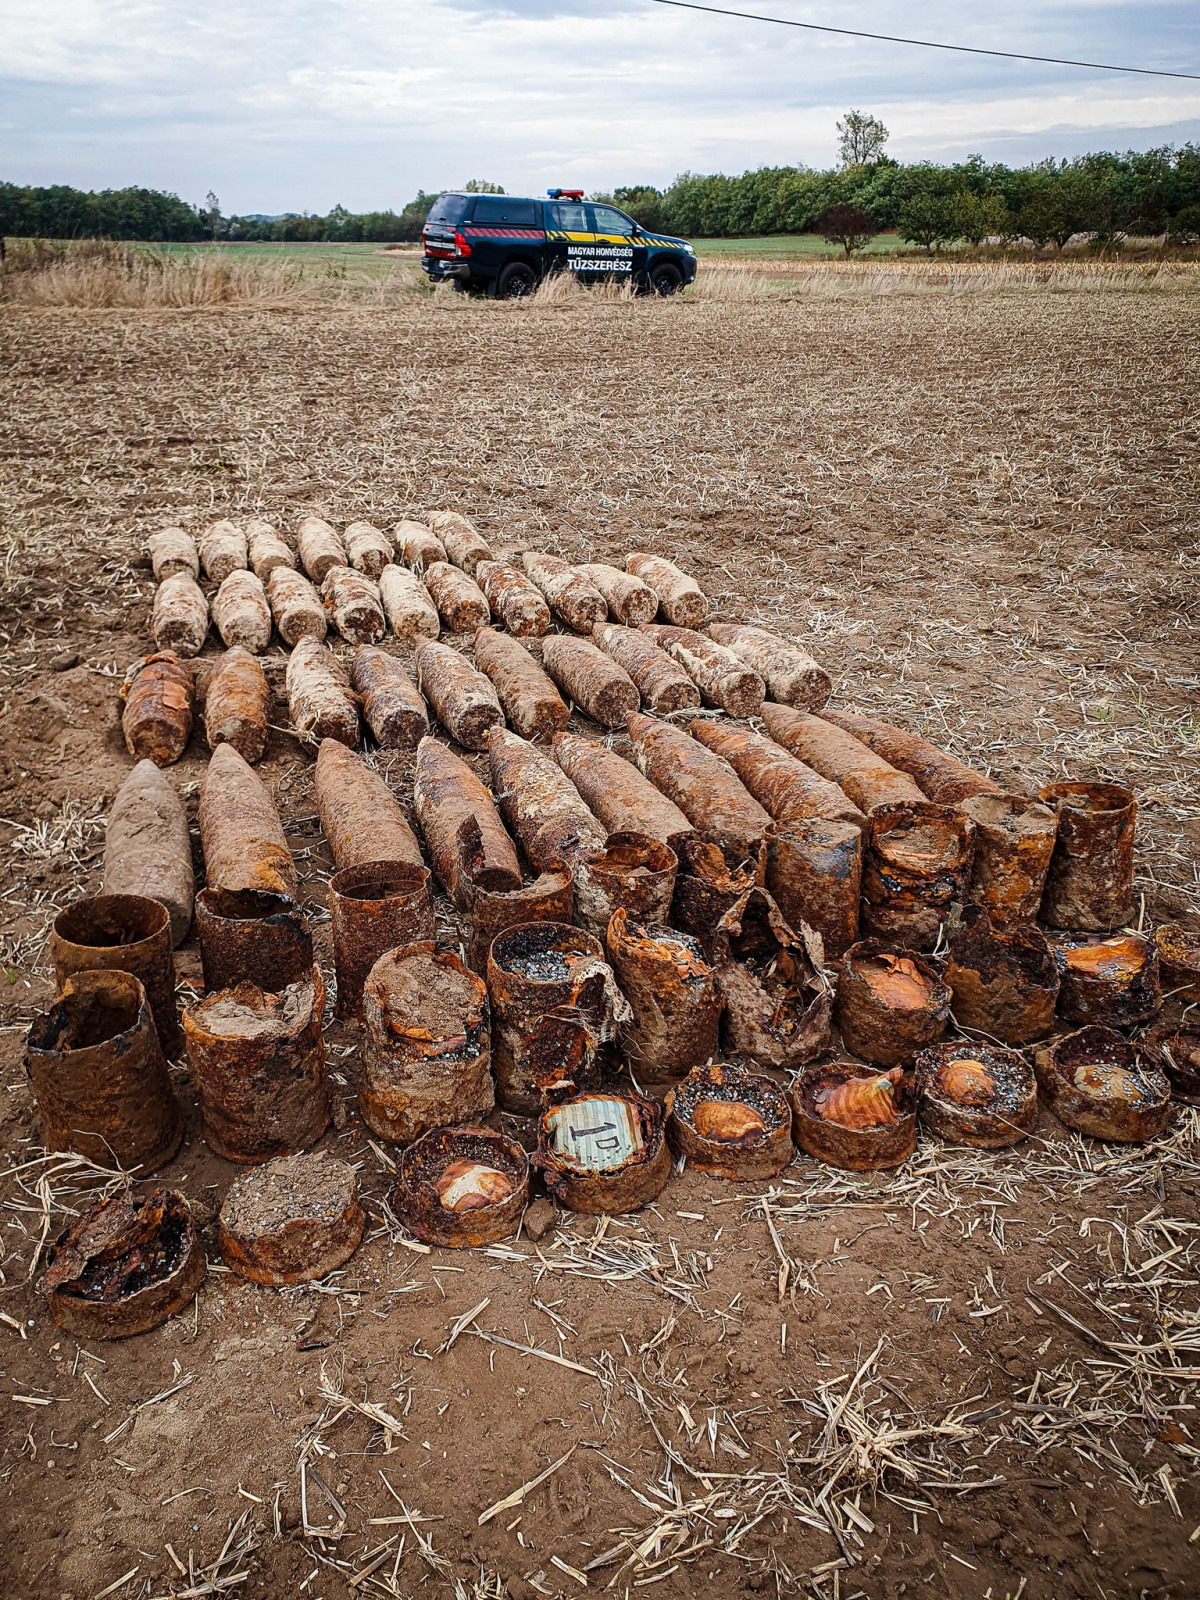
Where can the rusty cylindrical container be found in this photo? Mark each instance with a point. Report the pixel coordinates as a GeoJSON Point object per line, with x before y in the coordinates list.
{"type": "Point", "coordinates": [159, 695]}
{"type": "Point", "coordinates": [1179, 961]}
{"type": "Point", "coordinates": [460, 1187]}
{"type": "Point", "coordinates": [814, 875]}
{"type": "Point", "coordinates": [1014, 841]}
{"type": "Point", "coordinates": [1111, 981]}
{"type": "Point", "coordinates": [634, 873]}
{"type": "Point", "coordinates": [1100, 1084]}
{"type": "Point", "coordinates": [878, 1128]}
{"type": "Point", "coordinates": [1005, 984]}
{"type": "Point", "coordinates": [1090, 883]}
{"type": "Point", "coordinates": [291, 1221]}
{"type": "Point", "coordinates": [975, 1094]}
{"type": "Point", "coordinates": [777, 1002]}
{"type": "Point", "coordinates": [99, 1076]}
{"type": "Point", "coordinates": [604, 1154]}
{"type": "Point", "coordinates": [889, 1004]}
{"type": "Point", "coordinates": [550, 898]}
{"type": "Point", "coordinates": [374, 908]}
{"type": "Point", "coordinates": [1178, 1047]}
{"type": "Point", "coordinates": [673, 994]}
{"type": "Point", "coordinates": [123, 933]}
{"type": "Point", "coordinates": [259, 1063]}
{"type": "Point", "coordinates": [730, 1124]}
{"type": "Point", "coordinates": [252, 936]}
{"type": "Point", "coordinates": [426, 1050]}
{"type": "Point", "coordinates": [916, 866]}
{"type": "Point", "coordinates": [706, 888]}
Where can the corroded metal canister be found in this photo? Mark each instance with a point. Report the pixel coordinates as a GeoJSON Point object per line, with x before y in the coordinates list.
{"type": "Point", "coordinates": [1110, 981]}
{"type": "Point", "coordinates": [1005, 984]}
{"type": "Point", "coordinates": [814, 875]}
{"type": "Point", "coordinates": [706, 888]}
{"type": "Point", "coordinates": [673, 994]}
{"type": "Point", "coordinates": [917, 865]}
{"type": "Point", "coordinates": [730, 1124]}
{"type": "Point", "coordinates": [293, 1220]}
{"type": "Point", "coordinates": [259, 1063]}
{"type": "Point", "coordinates": [252, 936]}
{"type": "Point", "coordinates": [634, 873]}
{"type": "Point", "coordinates": [374, 908]}
{"type": "Point", "coordinates": [123, 933]}
{"type": "Point", "coordinates": [1178, 1048]}
{"type": "Point", "coordinates": [882, 1134]}
{"type": "Point", "coordinates": [889, 1004]}
{"type": "Point", "coordinates": [1100, 1084]}
{"type": "Point", "coordinates": [1014, 841]}
{"type": "Point", "coordinates": [604, 1153]}
{"type": "Point", "coordinates": [976, 1094]}
{"type": "Point", "coordinates": [460, 1187]}
{"type": "Point", "coordinates": [778, 1004]}
{"type": "Point", "coordinates": [99, 1076]}
{"type": "Point", "coordinates": [426, 1048]}
{"type": "Point", "coordinates": [550, 898]}
{"type": "Point", "coordinates": [1090, 882]}
{"type": "Point", "coordinates": [1179, 961]}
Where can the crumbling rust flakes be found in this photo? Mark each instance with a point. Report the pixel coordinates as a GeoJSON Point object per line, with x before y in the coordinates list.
{"type": "Point", "coordinates": [865, 777]}
{"type": "Point", "coordinates": [540, 804]}
{"type": "Point", "coordinates": [241, 835]}
{"type": "Point", "coordinates": [889, 1004]}
{"type": "Point", "coordinates": [661, 682]}
{"type": "Point", "coordinates": [790, 673]}
{"type": "Point", "coordinates": [571, 598]}
{"type": "Point", "coordinates": [814, 874]}
{"type": "Point", "coordinates": [1005, 982]}
{"type": "Point", "coordinates": [461, 603]}
{"type": "Point", "coordinates": [730, 1124]}
{"type": "Point", "coordinates": [680, 598]}
{"type": "Point", "coordinates": [549, 898]}
{"type": "Point", "coordinates": [706, 888]}
{"type": "Point", "coordinates": [359, 814]}
{"type": "Point", "coordinates": [975, 1094]}
{"type": "Point", "coordinates": [353, 605]}
{"type": "Point", "coordinates": [1177, 1046]}
{"type": "Point", "coordinates": [237, 707]}
{"type": "Point", "coordinates": [533, 706]}
{"type": "Point", "coordinates": [123, 933]}
{"type": "Point", "coordinates": [939, 776]}
{"type": "Point", "coordinates": [617, 794]}
{"type": "Point", "coordinates": [1014, 841]}
{"type": "Point", "coordinates": [463, 700]}
{"type": "Point", "coordinates": [514, 600]}
{"type": "Point", "coordinates": [635, 873]}
{"type": "Point", "coordinates": [1089, 886]}
{"type": "Point", "coordinates": [468, 843]}
{"type": "Point", "coordinates": [1179, 962]}
{"type": "Point", "coordinates": [722, 679]}
{"type": "Point", "coordinates": [252, 936]}
{"type": "Point", "coordinates": [604, 1154]}
{"type": "Point", "coordinates": [778, 1005]}
{"type": "Point", "coordinates": [673, 995]}
{"type": "Point", "coordinates": [1098, 1083]}
{"type": "Point", "coordinates": [392, 705]}
{"type": "Point", "coordinates": [293, 1220]}
{"type": "Point", "coordinates": [874, 1147]}
{"type": "Point", "coordinates": [1113, 981]}
{"type": "Point", "coordinates": [704, 787]}
{"type": "Point", "coordinates": [160, 696]}
{"type": "Point", "coordinates": [321, 703]}
{"type": "Point", "coordinates": [917, 865]}
{"type": "Point", "coordinates": [374, 908]}
{"type": "Point", "coordinates": [462, 1187]}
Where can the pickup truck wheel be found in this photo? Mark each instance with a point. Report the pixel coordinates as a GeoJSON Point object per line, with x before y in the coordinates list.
{"type": "Point", "coordinates": [517, 280]}
{"type": "Point", "coordinates": [666, 278]}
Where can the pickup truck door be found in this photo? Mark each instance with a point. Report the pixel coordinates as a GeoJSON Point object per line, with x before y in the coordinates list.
{"type": "Point", "coordinates": [619, 249]}
{"type": "Point", "coordinates": [569, 241]}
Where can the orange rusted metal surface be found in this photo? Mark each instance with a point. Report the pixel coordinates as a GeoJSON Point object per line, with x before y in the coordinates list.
{"type": "Point", "coordinates": [628, 599]}
{"type": "Point", "coordinates": [359, 814]}
{"type": "Point", "coordinates": [461, 603]}
{"type": "Point", "coordinates": [916, 867]}
{"type": "Point", "coordinates": [706, 888]}
{"type": "Point", "coordinates": [976, 1094]}
{"type": "Point", "coordinates": [604, 1154]}
{"type": "Point", "coordinates": [353, 605]}
{"type": "Point", "coordinates": [865, 777]}
{"type": "Point", "coordinates": [1090, 883]}
{"type": "Point", "coordinates": [790, 673]}
{"type": "Point", "coordinates": [468, 843]}
{"type": "Point", "coordinates": [549, 898]}
{"type": "Point", "coordinates": [1179, 961]}
{"type": "Point", "coordinates": [1014, 841]}
{"type": "Point", "coordinates": [462, 1187]}
{"type": "Point", "coordinates": [123, 933]}
{"type": "Point", "coordinates": [463, 700]}
{"type": "Point", "coordinates": [515, 601]}
{"type": "Point", "coordinates": [1005, 982]}
{"type": "Point", "coordinates": [252, 936]}
{"type": "Point", "coordinates": [240, 831]}
{"type": "Point", "coordinates": [721, 677]}
{"type": "Point", "coordinates": [939, 776]}
{"type": "Point", "coordinates": [237, 707]}
{"type": "Point", "coordinates": [532, 705]}
{"type": "Point", "coordinates": [778, 1005]}
{"type": "Point", "coordinates": [159, 695]}
{"type": "Point", "coordinates": [730, 1123]}
{"type": "Point", "coordinates": [681, 599]}
{"type": "Point", "coordinates": [616, 792]}
{"type": "Point", "coordinates": [590, 678]}
{"type": "Point", "coordinates": [1100, 1084]}
{"type": "Point", "coordinates": [1113, 981]}
{"type": "Point", "coordinates": [863, 1123]}
{"type": "Point", "coordinates": [571, 597]}
{"type": "Point", "coordinates": [673, 994]}
{"type": "Point", "coordinates": [783, 785]}
{"type": "Point", "coordinates": [634, 873]}
{"type": "Point", "coordinates": [374, 907]}
{"type": "Point", "coordinates": [540, 804]}
{"type": "Point", "coordinates": [660, 681]}
{"type": "Point", "coordinates": [889, 1004]}
{"type": "Point", "coordinates": [293, 1220]}
{"type": "Point", "coordinates": [704, 787]}
{"type": "Point", "coordinates": [392, 705]}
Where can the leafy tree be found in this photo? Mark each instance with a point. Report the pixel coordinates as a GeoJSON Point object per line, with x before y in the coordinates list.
{"type": "Point", "coordinates": [1184, 227]}
{"type": "Point", "coordinates": [978, 216]}
{"type": "Point", "coordinates": [481, 186]}
{"type": "Point", "coordinates": [847, 225]}
{"type": "Point", "coordinates": [860, 139]}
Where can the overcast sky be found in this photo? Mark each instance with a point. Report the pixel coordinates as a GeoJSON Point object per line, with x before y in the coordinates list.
{"type": "Point", "coordinates": [297, 104]}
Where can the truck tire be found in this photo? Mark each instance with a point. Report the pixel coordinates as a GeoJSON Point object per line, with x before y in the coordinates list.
{"type": "Point", "coordinates": [516, 280]}
{"type": "Point", "coordinates": [666, 278]}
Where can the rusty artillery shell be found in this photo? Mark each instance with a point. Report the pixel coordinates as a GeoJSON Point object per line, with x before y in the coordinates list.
{"type": "Point", "coordinates": [634, 873]}
{"type": "Point", "coordinates": [533, 706]}
{"type": "Point", "coordinates": [1111, 981]}
{"type": "Point", "coordinates": [99, 1077]}
{"type": "Point", "coordinates": [258, 1059]}
{"type": "Point", "coordinates": [461, 603]}
{"type": "Point", "coordinates": [889, 1004]}
{"type": "Point", "coordinates": [464, 700]}
{"type": "Point", "coordinates": [628, 599]}
{"type": "Point", "coordinates": [661, 682]}
{"type": "Point", "coordinates": [1005, 981]}
{"type": "Point", "coordinates": [722, 679]}
{"type": "Point", "coordinates": [369, 550]}
{"type": "Point", "coordinates": [939, 776]}
{"type": "Point", "coordinates": [704, 787]}
{"type": "Point", "coordinates": [392, 705]}
{"type": "Point", "coordinates": [222, 550]}
{"type": "Point", "coordinates": [296, 606]}
{"type": "Point", "coordinates": [706, 887]}
{"type": "Point", "coordinates": [291, 1221]}
{"type": "Point", "coordinates": [465, 545]}
{"type": "Point", "coordinates": [781, 784]}
{"type": "Point", "coordinates": [917, 864]}
{"type": "Point", "coordinates": [1179, 961]}
{"type": "Point", "coordinates": [122, 933]}
{"type": "Point", "coordinates": [124, 1267]}
{"type": "Point", "coordinates": [976, 1094]}
{"type": "Point", "coordinates": [681, 600]}
{"type": "Point", "coordinates": [375, 907]}
{"type": "Point", "coordinates": [252, 936]}
{"type": "Point", "coordinates": [814, 875]}
{"type": "Point", "coordinates": [266, 550]}
{"type": "Point", "coordinates": [359, 814]}
{"type": "Point", "coordinates": [1090, 882]}
{"type": "Point", "coordinates": [462, 1187]}
{"type": "Point", "coordinates": [468, 843]}
{"type": "Point", "coordinates": [321, 703]}
{"type": "Point", "coordinates": [1014, 840]}
{"type": "Point", "coordinates": [514, 600]}
{"type": "Point", "coordinates": [426, 1052]}
{"type": "Point", "coordinates": [147, 846]}
{"type": "Point", "coordinates": [571, 598]}
{"type": "Point", "coordinates": [672, 992]}
{"type": "Point", "coordinates": [418, 547]}
{"type": "Point", "coordinates": [240, 832]}
{"type": "Point", "coordinates": [1177, 1045]}
{"type": "Point", "coordinates": [179, 620]}
{"type": "Point", "coordinates": [591, 678]}
{"type": "Point", "coordinates": [616, 792]}
{"type": "Point", "coordinates": [867, 778]}
{"type": "Point", "coordinates": [237, 707]}
{"type": "Point", "coordinates": [159, 694]}
{"type": "Point", "coordinates": [729, 1123]}
{"type": "Point", "coordinates": [777, 1004]}
{"type": "Point", "coordinates": [411, 614]}
{"type": "Point", "coordinates": [856, 1149]}
{"type": "Point", "coordinates": [171, 550]}
{"type": "Point", "coordinates": [550, 898]}
{"type": "Point", "coordinates": [352, 604]}
{"type": "Point", "coordinates": [791, 675]}
{"type": "Point", "coordinates": [604, 1154]}
{"type": "Point", "coordinates": [319, 548]}
{"type": "Point", "coordinates": [241, 613]}
{"type": "Point", "coordinates": [540, 804]}
{"type": "Point", "coordinates": [1100, 1084]}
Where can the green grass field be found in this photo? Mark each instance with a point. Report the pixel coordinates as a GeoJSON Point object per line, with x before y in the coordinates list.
{"type": "Point", "coordinates": [789, 246]}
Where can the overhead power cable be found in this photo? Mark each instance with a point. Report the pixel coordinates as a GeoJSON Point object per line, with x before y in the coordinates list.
{"type": "Point", "coordinates": [927, 44]}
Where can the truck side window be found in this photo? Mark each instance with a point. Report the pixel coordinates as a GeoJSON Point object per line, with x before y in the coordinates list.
{"type": "Point", "coordinates": [449, 209]}
{"type": "Point", "coordinates": [568, 218]}
{"type": "Point", "coordinates": [497, 209]}
{"type": "Point", "coordinates": [610, 220]}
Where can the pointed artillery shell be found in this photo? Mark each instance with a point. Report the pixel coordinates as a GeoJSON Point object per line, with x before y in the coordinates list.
{"type": "Point", "coordinates": [814, 873]}
{"type": "Point", "coordinates": [241, 613]}
{"type": "Point", "coordinates": [1014, 841]}
{"type": "Point", "coordinates": [781, 784]}
{"type": "Point", "coordinates": [296, 606]}
{"type": "Point", "coordinates": [868, 1149]}
{"type": "Point", "coordinates": [1111, 981]}
{"type": "Point", "coordinates": [321, 704]}
{"type": "Point", "coordinates": [540, 804]}
{"type": "Point", "coordinates": [1005, 982]}
{"type": "Point", "coordinates": [159, 694]}
{"type": "Point", "coordinates": [550, 898]}
{"type": "Point", "coordinates": [889, 1004]}
{"type": "Point", "coordinates": [917, 865]}
{"type": "Point", "coordinates": [1179, 961]}
{"type": "Point", "coordinates": [704, 787]}
{"type": "Point", "coordinates": [1003, 1107]}
{"type": "Point", "coordinates": [635, 874]}
{"type": "Point", "coordinates": [514, 600]}
{"type": "Point", "coordinates": [147, 847]}
{"type": "Point", "coordinates": [790, 674]}
{"type": "Point", "coordinates": [374, 908]}
{"type": "Point", "coordinates": [240, 832]}
{"type": "Point", "coordinates": [99, 1077]}
{"type": "Point", "coordinates": [359, 815]}
{"type": "Point", "coordinates": [662, 683]}
{"type": "Point", "coordinates": [352, 605]}
{"type": "Point", "coordinates": [426, 1054]}
{"type": "Point", "coordinates": [730, 1123]}
{"type": "Point", "coordinates": [777, 1004]}
{"type": "Point", "coordinates": [706, 888]}
{"type": "Point", "coordinates": [682, 601]}
{"type": "Point", "coordinates": [867, 778]}
{"type": "Point", "coordinates": [171, 550]}
{"type": "Point", "coordinates": [572, 598]}
{"type": "Point", "coordinates": [369, 550]}
{"type": "Point", "coordinates": [939, 776]}
{"type": "Point", "coordinates": [1178, 1047]}
{"type": "Point", "coordinates": [392, 705]}
{"type": "Point", "coordinates": [1101, 1085]}
{"type": "Point", "coordinates": [423, 1168]}
{"type": "Point", "coordinates": [463, 700]}
{"type": "Point", "coordinates": [533, 706]}
{"type": "Point", "coordinates": [222, 550]}
{"type": "Point", "coordinates": [673, 994]}
{"type": "Point", "coordinates": [628, 599]}
{"type": "Point", "coordinates": [591, 679]}
{"type": "Point", "coordinates": [319, 548]}
{"type": "Point", "coordinates": [418, 547]}
{"type": "Point", "coordinates": [411, 614]}
{"type": "Point", "coordinates": [252, 936]}
{"type": "Point", "coordinates": [1090, 882]}
{"type": "Point", "coordinates": [617, 794]}
{"type": "Point", "coordinates": [461, 603]}
{"type": "Point", "coordinates": [122, 933]}
{"type": "Point", "coordinates": [266, 550]}
{"type": "Point", "coordinates": [258, 1060]}
{"type": "Point", "coordinates": [291, 1221]}
{"type": "Point", "coordinates": [468, 844]}
{"type": "Point", "coordinates": [179, 620]}
{"type": "Point", "coordinates": [237, 707]}
{"type": "Point", "coordinates": [465, 545]}
{"type": "Point", "coordinates": [604, 1154]}
{"type": "Point", "coordinates": [722, 679]}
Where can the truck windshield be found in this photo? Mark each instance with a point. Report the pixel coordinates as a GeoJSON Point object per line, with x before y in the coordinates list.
{"type": "Point", "coordinates": [450, 208]}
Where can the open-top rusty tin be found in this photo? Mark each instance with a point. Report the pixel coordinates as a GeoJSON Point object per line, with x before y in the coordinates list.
{"type": "Point", "coordinates": [814, 873]}
{"type": "Point", "coordinates": [252, 936]}
{"type": "Point", "coordinates": [461, 1187]}
{"type": "Point", "coordinates": [374, 908]}
{"type": "Point", "coordinates": [123, 933]}
{"type": "Point", "coordinates": [1111, 981]}
{"type": "Point", "coordinates": [1014, 841]}
{"type": "Point", "coordinates": [1100, 1084]}
{"type": "Point", "coordinates": [707, 887]}
{"type": "Point", "coordinates": [778, 1004]}
{"type": "Point", "coordinates": [1005, 984]}
{"type": "Point", "coordinates": [916, 866]}
{"type": "Point", "coordinates": [549, 898]}
{"type": "Point", "coordinates": [604, 1153]}
{"type": "Point", "coordinates": [853, 1118]}
{"type": "Point", "coordinates": [1178, 1045]}
{"type": "Point", "coordinates": [673, 994]}
{"type": "Point", "coordinates": [634, 873]}
{"type": "Point", "coordinates": [1090, 882]}
{"type": "Point", "coordinates": [976, 1094]}
{"type": "Point", "coordinates": [889, 1004]}
{"type": "Point", "coordinates": [292, 1220]}
{"type": "Point", "coordinates": [1179, 961]}
{"type": "Point", "coordinates": [730, 1123]}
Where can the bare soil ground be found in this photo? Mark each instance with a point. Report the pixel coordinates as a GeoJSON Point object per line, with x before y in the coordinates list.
{"type": "Point", "coordinates": [975, 1377]}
